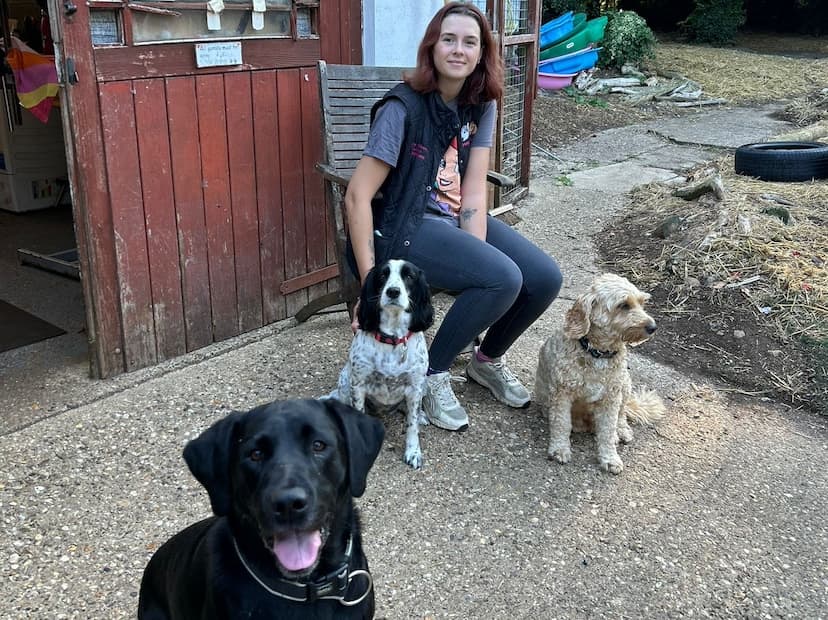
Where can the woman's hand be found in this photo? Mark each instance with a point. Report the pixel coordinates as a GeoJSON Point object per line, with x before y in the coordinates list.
{"type": "Point", "coordinates": [355, 319]}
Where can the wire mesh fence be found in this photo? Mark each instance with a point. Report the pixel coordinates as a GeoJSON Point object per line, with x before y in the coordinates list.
{"type": "Point", "coordinates": [515, 60]}
{"type": "Point", "coordinates": [515, 17]}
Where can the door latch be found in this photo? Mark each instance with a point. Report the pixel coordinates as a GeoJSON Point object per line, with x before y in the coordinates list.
{"type": "Point", "coordinates": [71, 73]}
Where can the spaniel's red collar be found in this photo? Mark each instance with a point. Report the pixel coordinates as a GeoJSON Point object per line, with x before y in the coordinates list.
{"type": "Point", "coordinates": [392, 340]}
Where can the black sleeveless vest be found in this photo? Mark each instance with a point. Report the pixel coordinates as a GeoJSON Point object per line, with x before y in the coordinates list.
{"type": "Point", "coordinates": [429, 128]}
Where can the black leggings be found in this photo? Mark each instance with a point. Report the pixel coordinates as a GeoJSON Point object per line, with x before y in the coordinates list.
{"type": "Point", "coordinates": [504, 285]}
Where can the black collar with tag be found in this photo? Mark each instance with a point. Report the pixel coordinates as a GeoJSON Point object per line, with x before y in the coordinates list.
{"type": "Point", "coordinates": [596, 353]}
{"type": "Point", "coordinates": [334, 585]}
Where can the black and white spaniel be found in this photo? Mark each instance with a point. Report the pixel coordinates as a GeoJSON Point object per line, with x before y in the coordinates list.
{"type": "Point", "coordinates": [388, 359]}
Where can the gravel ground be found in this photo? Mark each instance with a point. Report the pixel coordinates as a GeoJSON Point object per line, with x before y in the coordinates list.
{"type": "Point", "coordinates": [720, 511]}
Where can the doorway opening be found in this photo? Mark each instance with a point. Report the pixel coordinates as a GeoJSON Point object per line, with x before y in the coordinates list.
{"type": "Point", "coordinates": [42, 316]}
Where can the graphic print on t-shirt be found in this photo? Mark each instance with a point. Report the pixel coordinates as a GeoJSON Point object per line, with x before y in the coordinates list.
{"type": "Point", "coordinates": [447, 184]}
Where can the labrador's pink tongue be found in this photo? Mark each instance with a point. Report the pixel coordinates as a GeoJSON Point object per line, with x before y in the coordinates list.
{"type": "Point", "coordinates": [298, 550]}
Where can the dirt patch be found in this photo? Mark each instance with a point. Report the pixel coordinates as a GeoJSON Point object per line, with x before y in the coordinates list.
{"type": "Point", "coordinates": [559, 119]}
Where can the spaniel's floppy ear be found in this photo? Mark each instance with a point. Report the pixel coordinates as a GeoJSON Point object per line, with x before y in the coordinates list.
{"type": "Point", "coordinates": [369, 310]}
{"type": "Point", "coordinates": [576, 322]}
{"type": "Point", "coordinates": [422, 311]}
{"type": "Point", "coordinates": [208, 457]}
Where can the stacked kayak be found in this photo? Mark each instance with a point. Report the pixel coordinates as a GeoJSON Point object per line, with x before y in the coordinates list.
{"type": "Point", "coordinates": [568, 45]}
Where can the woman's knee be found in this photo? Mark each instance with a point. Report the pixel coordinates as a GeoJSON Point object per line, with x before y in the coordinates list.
{"type": "Point", "coordinates": [507, 278]}
{"type": "Point", "coordinates": [544, 281]}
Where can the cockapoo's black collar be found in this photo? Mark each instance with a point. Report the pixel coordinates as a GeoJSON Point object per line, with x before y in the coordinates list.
{"type": "Point", "coordinates": [392, 340]}
{"type": "Point", "coordinates": [596, 353]}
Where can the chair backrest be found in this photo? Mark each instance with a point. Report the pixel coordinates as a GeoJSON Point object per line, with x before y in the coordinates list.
{"type": "Point", "coordinates": [347, 93]}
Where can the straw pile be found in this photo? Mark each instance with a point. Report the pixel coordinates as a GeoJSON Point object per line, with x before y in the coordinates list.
{"type": "Point", "coordinates": [770, 230]}
{"type": "Point", "coordinates": [742, 76]}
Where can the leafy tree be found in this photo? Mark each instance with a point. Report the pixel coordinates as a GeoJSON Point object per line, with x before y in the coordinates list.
{"type": "Point", "coordinates": [714, 21]}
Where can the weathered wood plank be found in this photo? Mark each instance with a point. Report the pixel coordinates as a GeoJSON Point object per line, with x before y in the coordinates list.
{"type": "Point", "coordinates": [362, 73]}
{"type": "Point", "coordinates": [91, 205]}
{"type": "Point", "coordinates": [269, 193]}
{"type": "Point", "coordinates": [177, 59]}
{"type": "Point", "coordinates": [242, 158]}
{"type": "Point", "coordinates": [159, 213]}
{"type": "Point", "coordinates": [121, 148]}
{"type": "Point", "coordinates": [316, 221]}
{"type": "Point", "coordinates": [330, 24]}
{"type": "Point", "coordinates": [189, 204]}
{"type": "Point", "coordinates": [212, 134]}
{"type": "Point", "coordinates": [293, 199]}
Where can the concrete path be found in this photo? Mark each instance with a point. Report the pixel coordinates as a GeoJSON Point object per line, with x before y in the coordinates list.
{"type": "Point", "coordinates": [719, 513]}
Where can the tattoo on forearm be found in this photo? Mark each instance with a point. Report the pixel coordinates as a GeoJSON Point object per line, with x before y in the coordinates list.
{"type": "Point", "coordinates": [467, 214]}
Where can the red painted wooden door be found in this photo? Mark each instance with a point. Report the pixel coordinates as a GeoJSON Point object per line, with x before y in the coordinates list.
{"type": "Point", "coordinates": [197, 209]}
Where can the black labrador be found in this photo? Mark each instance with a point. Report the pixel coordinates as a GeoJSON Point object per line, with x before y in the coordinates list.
{"type": "Point", "coordinates": [285, 539]}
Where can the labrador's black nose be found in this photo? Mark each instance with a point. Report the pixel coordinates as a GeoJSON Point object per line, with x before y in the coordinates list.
{"type": "Point", "coordinates": [651, 328]}
{"type": "Point", "coordinates": [290, 503]}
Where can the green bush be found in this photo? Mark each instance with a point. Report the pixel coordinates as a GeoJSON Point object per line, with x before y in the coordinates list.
{"type": "Point", "coordinates": [553, 8]}
{"type": "Point", "coordinates": [627, 40]}
{"type": "Point", "coordinates": [714, 21]}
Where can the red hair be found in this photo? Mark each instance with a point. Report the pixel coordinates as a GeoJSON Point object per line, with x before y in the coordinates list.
{"type": "Point", "coordinates": [486, 81]}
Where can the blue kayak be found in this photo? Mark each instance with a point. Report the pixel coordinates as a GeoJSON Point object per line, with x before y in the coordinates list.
{"type": "Point", "coordinates": [561, 31]}
{"type": "Point", "coordinates": [571, 63]}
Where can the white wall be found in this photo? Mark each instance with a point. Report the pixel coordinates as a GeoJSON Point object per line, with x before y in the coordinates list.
{"type": "Point", "coordinates": [392, 30]}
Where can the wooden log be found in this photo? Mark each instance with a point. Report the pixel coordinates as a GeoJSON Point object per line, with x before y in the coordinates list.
{"type": "Point", "coordinates": [806, 134]}
{"type": "Point", "coordinates": [650, 93]}
{"type": "Point", "coordinates": [706, 185]}
{"type": "Point", "coordinates": [690, 104]}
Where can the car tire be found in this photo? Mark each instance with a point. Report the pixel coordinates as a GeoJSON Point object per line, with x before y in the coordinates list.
{"type": "Point", "coordinates": [783, 161]}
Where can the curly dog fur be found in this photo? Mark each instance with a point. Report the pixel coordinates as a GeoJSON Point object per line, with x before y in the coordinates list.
{"type": "Point", "coordinates": [582, 381]}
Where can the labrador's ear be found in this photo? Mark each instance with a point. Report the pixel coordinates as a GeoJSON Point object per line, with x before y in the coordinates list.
{"type": "Point", "coordinates": [576, 322]}
{"type": "Point", "coordinates": [369, 310]}
{"type": "Point", "coordinates": [363, 435]}
{"type": "Point", "coordinates": [208, 457]}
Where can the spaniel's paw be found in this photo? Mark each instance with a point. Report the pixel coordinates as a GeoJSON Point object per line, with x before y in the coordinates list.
{"type": "Point", "coordinates": [414, 457]}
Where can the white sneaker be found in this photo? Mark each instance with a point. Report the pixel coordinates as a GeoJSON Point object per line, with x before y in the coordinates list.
{"type": "Point", "coordinates": [501, 381]}
{"type": "Point", "coordinates": [440, 404]}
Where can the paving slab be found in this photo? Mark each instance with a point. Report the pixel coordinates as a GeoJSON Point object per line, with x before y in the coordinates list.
{"type": "Point", "coordinates": [726, 127]}
{"type": "Point", "coordinates": [612, 146]}
{"type": "Point", "coordinates": [620, 178]}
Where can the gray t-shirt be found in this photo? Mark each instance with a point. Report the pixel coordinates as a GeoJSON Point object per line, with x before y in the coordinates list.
{"type": "Point", "coordinates": [386, 137]}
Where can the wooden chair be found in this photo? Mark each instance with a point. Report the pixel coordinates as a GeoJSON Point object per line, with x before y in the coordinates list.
{"type": "Point", "coordinates": [347, 94]}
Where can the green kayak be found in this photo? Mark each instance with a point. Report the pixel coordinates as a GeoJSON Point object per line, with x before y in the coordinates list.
{"type": "Point", "coordinates": [588, 33]}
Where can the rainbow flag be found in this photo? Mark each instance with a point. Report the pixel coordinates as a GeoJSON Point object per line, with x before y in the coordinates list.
{"type": "Point", "coordinates": [35, 78]}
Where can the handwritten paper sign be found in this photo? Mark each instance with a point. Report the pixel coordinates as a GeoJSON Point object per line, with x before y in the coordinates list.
{"type": "Point", "coordinates": [218, 54]}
